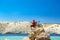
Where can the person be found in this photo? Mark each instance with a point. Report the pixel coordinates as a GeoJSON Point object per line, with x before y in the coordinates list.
{"type": "Point", "coordinates": [33, 24]}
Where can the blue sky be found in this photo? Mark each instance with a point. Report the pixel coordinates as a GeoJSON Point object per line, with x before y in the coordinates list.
{"type": "Point", "coordinates": [46, 11]}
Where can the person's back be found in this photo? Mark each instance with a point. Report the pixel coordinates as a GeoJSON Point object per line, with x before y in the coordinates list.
{"type": "Point", "coordinates": [34, 23]}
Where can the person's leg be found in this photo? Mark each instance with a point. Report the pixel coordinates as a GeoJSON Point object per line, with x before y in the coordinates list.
{"type": "Point", "coordinates": [31, 27]}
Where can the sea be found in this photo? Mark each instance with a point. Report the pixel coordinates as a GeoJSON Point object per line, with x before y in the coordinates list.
{"type": "Point", "coordinates": [21, 36]}
{"type": "Point", "coordinates": [12, 36]}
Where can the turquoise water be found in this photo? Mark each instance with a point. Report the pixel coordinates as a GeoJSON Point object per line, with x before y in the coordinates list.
{"type": "Point", "coordinates": [12, 36]}
{"type": "Point", "coordinates": [21, 36]}
{"type": "Point", "coordinates": [55, 36]}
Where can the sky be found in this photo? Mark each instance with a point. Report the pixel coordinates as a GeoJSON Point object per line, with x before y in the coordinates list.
{"type": "Point", "coordinates": [45, 11]}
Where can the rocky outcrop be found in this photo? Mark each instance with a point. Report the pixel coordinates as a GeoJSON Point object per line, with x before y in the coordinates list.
{"type": "Point", "coordinates": [24, 27]}
{"type": "Point", "coordinates": [39, 35]}
{"type": "Point", "coordinates": [53, 29]}
{"type": "Point", "coordinates": [15, 27]}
